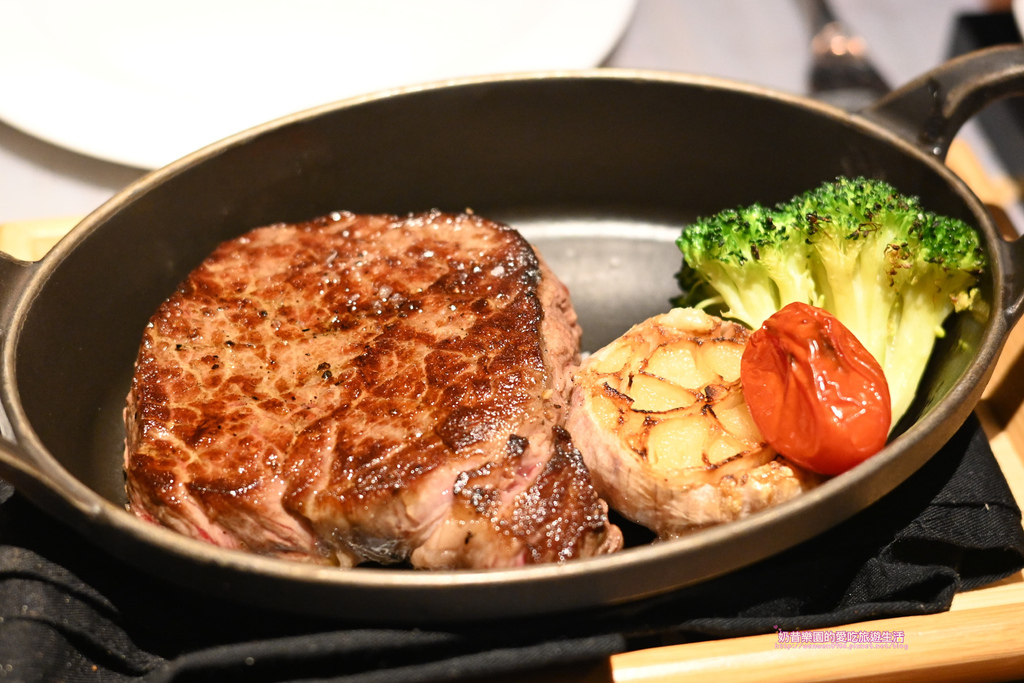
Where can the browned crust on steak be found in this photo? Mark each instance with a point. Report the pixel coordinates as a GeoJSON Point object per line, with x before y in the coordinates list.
{"type": "Point", "coordinates": [330, 390]}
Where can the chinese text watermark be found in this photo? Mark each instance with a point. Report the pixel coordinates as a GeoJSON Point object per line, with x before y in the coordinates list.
{"type": "Point", "coordinates": [842, 640]}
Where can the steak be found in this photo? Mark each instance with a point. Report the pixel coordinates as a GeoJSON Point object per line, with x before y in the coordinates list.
{"type": "Point", "coordinates": [366, 388]}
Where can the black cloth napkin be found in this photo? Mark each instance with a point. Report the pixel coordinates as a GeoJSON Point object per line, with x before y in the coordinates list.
{"type": "Point", "coordinates": [70, 612]}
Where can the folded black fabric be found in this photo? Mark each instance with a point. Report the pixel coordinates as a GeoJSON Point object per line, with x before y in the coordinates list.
{"type": "Point", "coordinates": [69, 612]}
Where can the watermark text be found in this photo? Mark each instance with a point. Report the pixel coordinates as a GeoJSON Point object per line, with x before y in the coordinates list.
{"type": "Point", "coordinates": [841, 640]}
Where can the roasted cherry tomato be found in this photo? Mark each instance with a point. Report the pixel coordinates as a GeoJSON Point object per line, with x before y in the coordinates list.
{"type": "Point", "coordinates": [817, 395]}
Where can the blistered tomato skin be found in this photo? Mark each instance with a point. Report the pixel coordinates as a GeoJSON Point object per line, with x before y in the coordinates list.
{"type": "Point", "coordinates": [817, 395]}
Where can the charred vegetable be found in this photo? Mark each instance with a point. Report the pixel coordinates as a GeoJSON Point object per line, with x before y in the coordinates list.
{"type": "Point", "coordinates": [887, 269]}
{"type": "Point", "coordinates": [814, 391]}
{"type": "Point", "coordinates": [661, 421]}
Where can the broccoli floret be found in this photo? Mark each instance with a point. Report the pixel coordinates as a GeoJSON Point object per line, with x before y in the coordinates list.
{"type": "Point", "coordinates": [889, 270]}
{"type": "Point", "coordinates": [752, 260]}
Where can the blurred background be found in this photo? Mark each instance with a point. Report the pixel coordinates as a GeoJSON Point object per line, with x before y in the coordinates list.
{"type": "Point", "coordinates": [92, 95]}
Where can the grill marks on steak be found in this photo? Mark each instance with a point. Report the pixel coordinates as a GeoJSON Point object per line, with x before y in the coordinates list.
{"type": "Point", "coordinates": [366, 388]}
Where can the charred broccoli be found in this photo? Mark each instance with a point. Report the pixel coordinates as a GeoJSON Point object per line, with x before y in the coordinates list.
{"type": "Point", "coordinates": [874, 258]}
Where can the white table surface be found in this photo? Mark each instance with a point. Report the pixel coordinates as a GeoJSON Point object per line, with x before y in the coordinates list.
{"type": "Point", "coordinates": [763, 42]}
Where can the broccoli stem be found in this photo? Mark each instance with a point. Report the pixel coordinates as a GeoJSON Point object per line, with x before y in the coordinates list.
{"type": "Point", "coordinates": [748, 293]}
{"type": "Point", "coordinates": [918, 324]}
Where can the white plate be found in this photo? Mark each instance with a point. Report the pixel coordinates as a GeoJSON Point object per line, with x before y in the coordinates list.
{"type": "Point", "coordinates": [144, 83]}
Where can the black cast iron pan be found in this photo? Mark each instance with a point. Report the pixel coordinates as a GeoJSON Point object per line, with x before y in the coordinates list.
{"type": "Point", "coordinates": [601, 169]}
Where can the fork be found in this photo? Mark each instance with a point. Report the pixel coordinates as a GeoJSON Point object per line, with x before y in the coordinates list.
{"type": "Point", "coordinates": [841, 73]}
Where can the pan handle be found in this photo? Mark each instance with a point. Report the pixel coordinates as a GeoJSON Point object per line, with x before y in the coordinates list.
{"type": "Point", "coordinates": [929, 111]}
{"type": "Point", "coordinates": [15, 465]}
{"type": "Point", "coordinates": [55, 491]}
{"type": "Point", "coordinates": [67, 499]}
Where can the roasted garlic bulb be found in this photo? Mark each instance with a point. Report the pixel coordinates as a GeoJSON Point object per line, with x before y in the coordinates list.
{"type": "Point", "coordinates": [660, 419]}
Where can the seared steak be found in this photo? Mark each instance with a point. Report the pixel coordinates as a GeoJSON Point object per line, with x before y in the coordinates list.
{"type": "Point", "coordinates": [363, 387]}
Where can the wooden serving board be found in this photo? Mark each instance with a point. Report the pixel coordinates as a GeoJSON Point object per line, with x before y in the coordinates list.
{"type": "Point", "coordinates": [981, 637]}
